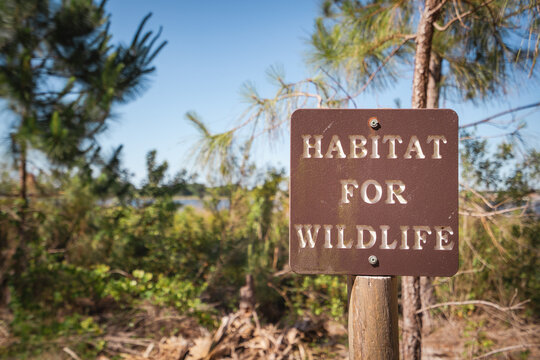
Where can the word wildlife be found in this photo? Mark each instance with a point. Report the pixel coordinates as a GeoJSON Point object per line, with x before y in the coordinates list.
{"type": "Point", "coordinates": [308, 234]}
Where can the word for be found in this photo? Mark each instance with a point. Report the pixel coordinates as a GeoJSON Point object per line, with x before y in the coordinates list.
{"type": "Point", "coordinates": [307, 236]}
{"type": "Point", "coordinates": [358, 150]}
{"type": "Point", "coordinates": [392, 192]}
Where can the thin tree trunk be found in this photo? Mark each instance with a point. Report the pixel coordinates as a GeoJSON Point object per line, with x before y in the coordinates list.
{"type": "Point", "coordinates": [427, 294]}
{"type": "Point", "coordinates": [23, 172]}
{"type": "Point", "coordinates": [412, 322]}
{"type": "Point", "coordinates": [410, 286]}
{"type": "Point", "coordinates": [22, 243]}
{"type": "Point", "coordinates": [8, 247]}
{"type": "Point", "coordinates": [424, 37]}
{"type": "Point", "coordinates": [427, 298]}
{"type": "Point", "coordinates": [23, 194]}
{"type": "Point", "coordinates": [8, 244]}
{"type": "Point", "coordinates": [434, 81]}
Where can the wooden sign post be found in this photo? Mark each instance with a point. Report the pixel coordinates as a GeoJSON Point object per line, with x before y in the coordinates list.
{"type": "Point", "coordinates": [373, 317]}
{"type": "Point", "coordinates": [374, 193]}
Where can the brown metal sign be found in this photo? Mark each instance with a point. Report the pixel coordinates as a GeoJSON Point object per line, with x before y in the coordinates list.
{"type": "Point", "coordinates": [374, 192]}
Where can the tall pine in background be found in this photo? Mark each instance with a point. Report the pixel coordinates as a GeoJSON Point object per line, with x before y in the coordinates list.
{"type": "Point", "coordinates": [60, 77]}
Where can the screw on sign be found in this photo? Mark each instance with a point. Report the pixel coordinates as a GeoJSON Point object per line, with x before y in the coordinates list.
{"type": "Point", "coordinates": [373, 122]}
{"type": "Point", "coordinates": [373, 260]}
{"type": "Point", "coordinates": [380, 183]}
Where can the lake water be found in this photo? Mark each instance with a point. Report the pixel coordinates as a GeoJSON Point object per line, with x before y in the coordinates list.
{"type": "Point", "coordinates": [198, 203]}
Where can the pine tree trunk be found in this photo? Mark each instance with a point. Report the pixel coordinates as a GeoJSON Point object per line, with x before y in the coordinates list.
{"type": "Point", "coordinates": [23, 172]}
{"type": "Point", "coordinates": [427, 294]}
{"type": "Point", "coordinates": [427, 298]}
{"type": "Point", "coordinates": [10, 244]}
{"type": "Point", "coordinates": [21, 245]}
{"type": "Point", "coordinates": [23, 195]}
{"type": "Point", "coordinates": [411, 302]}
{"type": "Point", "coordinates": [434, 81]}
{"type": "Point", "coordinates": [424, 37]}
{"type": "Point", "coordinates": [412, 322]}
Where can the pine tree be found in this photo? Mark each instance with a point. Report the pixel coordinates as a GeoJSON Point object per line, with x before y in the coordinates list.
{"type": "Point", "coordinates": [480, 48]}
{"type": "Point", "coordinates": [60, 77]}
{"type": "Point", "coordinates": [471, 49]}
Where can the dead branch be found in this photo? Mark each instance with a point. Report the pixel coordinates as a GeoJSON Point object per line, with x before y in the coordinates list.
{"type": "Point", "coordinates": [464, 272]}
{"type": "Point", "coordinates": [282, 293]}
{"type": "Point", "coordinates": [486, 201]}
{"type": "Point", "coordinates": [127, 340]}
{"type": "Point", "coordinates": [121, 272]}
{"type": "Point", "coordinates": [173, 318]}
{"type": "Point", "coordinates": [285, 271]}
{"type": "Point", "coordinates": [476, 303]}
{"type": "Point", "coordinates": [117, 348]}
{"type": "Point", "coordinates": [506, 349]}
{"type": "Point", "coordinates": [489, 231]}
{"type": "Point", "coordinates": [71, 353]}
{"type": "Point", "coordinates": [484, 262]}
{"type": "Point", "coordinates": [148, 350]}
{"type": "Point", "coordinates": [466, 212]}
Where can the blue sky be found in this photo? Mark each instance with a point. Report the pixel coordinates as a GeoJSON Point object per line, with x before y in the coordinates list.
{"type": "Point", "coordinates": [213, 48]}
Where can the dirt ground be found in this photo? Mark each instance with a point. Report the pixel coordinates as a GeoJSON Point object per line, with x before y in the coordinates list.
{"type": "Point", "coordinates": [242, 337]}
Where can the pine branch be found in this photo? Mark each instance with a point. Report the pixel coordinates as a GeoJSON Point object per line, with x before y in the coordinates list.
{"type": "Point", "coordinates": [349, 97]}
{"type": "Point", "coordinates": [511, 133]}
{"type": "Point", "coordinates": [500, 114]}
{"type": "Point", "coordinates": [486, 201]}
{"type": "Point", "coordinates": [302, 94]}
{"type": "Point", "coordinates": [438, 7]}
{"type": "Point", "coordinates": [385, 61]}
{"type": "Point", "coordinates": [460, 16]}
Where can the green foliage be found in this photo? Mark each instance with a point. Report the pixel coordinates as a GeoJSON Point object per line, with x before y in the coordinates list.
{"type": "Point", "coordinates": [498, 252]}
{"type": "Point", "coordinates": [321, 295]}
{"type": "Point", "coordinates": [478, 166]}
{"type": "Point", "coordinates": [497, 268]}
{"type": "Point", "coordinates": [61, 285]}
{"type": "Point", "coordinates": [477, 342]}
{"type": "Point", "coordinates": [37, 336]}
{"type": "Point", "coordinates": [91, 256]}
{"type": "Point", "coordinates": [61, 75]}
{"type": "Point", "coordinates": [371, 43]}
{"type": "Point", "coordinates": [357, 39]}
{"type": "Point", "coordinates": [97, 245]}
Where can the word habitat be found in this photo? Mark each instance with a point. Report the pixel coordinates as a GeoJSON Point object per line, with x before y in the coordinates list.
{"type": "Point", "coordinates": [358, 149]}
